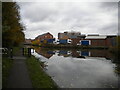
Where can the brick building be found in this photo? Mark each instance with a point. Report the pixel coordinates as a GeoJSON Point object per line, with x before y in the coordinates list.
{"type": "Point", "coordinates": [96, 40]}
{"type": "Point", "coordinates": [100, 40]}
{"type": "Point", "coordinates": [73, 36]}
{"type": "Point", "coordinates": [45, 38]}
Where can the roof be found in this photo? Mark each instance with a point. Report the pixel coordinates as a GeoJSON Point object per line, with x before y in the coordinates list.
{"type": "Point", "coordinates": [111, 36]}
{"type": "Point", "coordinates": [43, 34]}
{"type": "Point", "coordinates": [96, 37]}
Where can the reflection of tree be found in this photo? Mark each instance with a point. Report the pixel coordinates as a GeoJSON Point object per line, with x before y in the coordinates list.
{"type": "Point", "coordinates": [75, 53]}
{"type": "Point", "coordinates": [44, 52]}
{"type": "Point", "coordinates": [43, 65]}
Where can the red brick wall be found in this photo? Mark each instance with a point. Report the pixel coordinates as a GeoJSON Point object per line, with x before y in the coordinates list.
{"type": "Point", "coordinates": [75, 41]}
{"type": "Point", "coordinates": [100, 42]}
{"type": "Point", "coordinates": [108, 42]}
{"type": "Point", "coordinates": [97, 42]}
{"type": "Point", "coordinates": [46, 36]}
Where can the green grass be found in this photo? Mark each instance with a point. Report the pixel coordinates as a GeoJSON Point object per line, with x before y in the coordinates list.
{"type": "Point", "coordinates": [38, 77]}
{"type": "Point", "coordinates": [6, 66]}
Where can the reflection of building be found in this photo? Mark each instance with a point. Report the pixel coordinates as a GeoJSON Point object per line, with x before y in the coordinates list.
{"type": "Point", "coordinates": [75, 53]}
{"type": "Point", "coordinates": [44, 53]}
{"type": "Point", "coordinates": [64, 53]}
{"type": "Point", "coordinates": [84, 53]}
{"type": "Point", "coordinates": [90, 53]}
{"type": "Point", "coordinates": [100, 53]}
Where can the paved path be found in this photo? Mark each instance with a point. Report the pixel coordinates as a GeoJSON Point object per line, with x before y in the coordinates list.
{"type": "Point", "coordinates": [19, 77]}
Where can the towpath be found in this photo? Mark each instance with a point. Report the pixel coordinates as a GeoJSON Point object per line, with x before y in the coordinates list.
{"type": "Point", "coordinates": [19, 77]}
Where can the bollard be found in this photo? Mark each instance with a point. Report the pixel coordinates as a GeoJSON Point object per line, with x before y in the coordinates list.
{"type": "Point", "coordinates": [29, 52]}
{"type": "Point", "coordinates": [11, 53]}
{"type": "Point", "coordinates": [33, 50]}
{"type": "Point", "coordinates": [23, 51]}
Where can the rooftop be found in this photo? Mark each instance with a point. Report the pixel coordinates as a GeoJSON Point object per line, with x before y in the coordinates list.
{"type": "Point", "coordinates": [96, 37]}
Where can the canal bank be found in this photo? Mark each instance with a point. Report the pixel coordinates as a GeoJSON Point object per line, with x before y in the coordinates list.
{"type": "Point", "coordinates": [24, 72]}
{"type": "Point", "coordinates": [38, 76]}
{"type": "Point", "coordinates": [69, 46]}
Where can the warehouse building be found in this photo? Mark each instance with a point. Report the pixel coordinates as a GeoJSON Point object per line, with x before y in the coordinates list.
{"type": "Point", "coordinates": [99, 40]}
{"type": "Point", "coordinates": [70, 37]}
{"type": "Point", "coordinates": [45, 38]}
{"type": "Point", "coordinates": [94, 40]}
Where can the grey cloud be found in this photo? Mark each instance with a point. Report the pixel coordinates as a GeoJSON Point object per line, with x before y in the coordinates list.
{"type": "Point", "coordinates": [58, 17]}
{"type": "Point", "coordinates": [109, 5]}
{"type": "Point", "coordinates": [36, 12]}
{"type": "Point", "coordinates": [110, 28]}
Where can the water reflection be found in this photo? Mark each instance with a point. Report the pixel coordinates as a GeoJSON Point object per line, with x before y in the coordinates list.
{"type": "Point", "coordinates": [75, 53]}
{"type": "Point", "coordinates": [44, 52]}
{"type": "Point", "coordinates": [80, 68]}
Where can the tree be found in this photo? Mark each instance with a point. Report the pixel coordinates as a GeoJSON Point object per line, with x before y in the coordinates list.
{"type": "Point", "coordinates": [12, 34]}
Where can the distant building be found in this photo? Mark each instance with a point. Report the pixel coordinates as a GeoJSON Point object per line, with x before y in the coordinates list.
{"type": "Point", "coordinates": [111, 40]}
{"type": "Point", "coordinates": [28, 41]}
{"type": "Point", "coordinates": [68, 35]}
{"type": "Point", "coordinates": [45, 38]}
{"type": "Point", "coordinates": [96, 40]}
{"type": "Point", "coordinates": [73, 37]}
{"type": "Point", "coordinates": [99, 40]}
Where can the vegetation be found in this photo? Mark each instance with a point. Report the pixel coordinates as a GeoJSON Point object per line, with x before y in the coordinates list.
{"type": "Point", "coordinates": [36, 42]}
{"type": "Point", "coordinates": [6, 66]}
{"type": "Point", "coordinates": [39, 78]}
{"type": "Point", "coordinates": [12, 34]}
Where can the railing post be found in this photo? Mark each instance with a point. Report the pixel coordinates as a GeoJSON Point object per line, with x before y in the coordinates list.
{"type": "Point", "coordinates": [11, 53]}
{"type": "Point", "coordinates": [23, 51]}
{"type": "Point", "coordinates": [29, 52]}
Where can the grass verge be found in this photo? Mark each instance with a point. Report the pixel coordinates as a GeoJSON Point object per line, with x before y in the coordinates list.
{"type": "Point", "coordinates": [38, 77]}
{"type": "Point", "coordinates": [6, 66]}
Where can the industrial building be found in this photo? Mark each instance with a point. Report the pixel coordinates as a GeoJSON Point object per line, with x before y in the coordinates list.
{"type": "Point", "coordinates": [70, 37]}
{"type": "Point", "coordinates": [45, 38]}
{"type": "Point", "coordinates": [76, 38]}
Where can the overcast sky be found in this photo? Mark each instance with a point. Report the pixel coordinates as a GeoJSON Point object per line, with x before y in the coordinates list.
{"type": "Point", "coordinates": [55, 17]}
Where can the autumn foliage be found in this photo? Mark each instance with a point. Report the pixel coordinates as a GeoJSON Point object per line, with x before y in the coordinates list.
{"type": "Point", "coordinates": [12, 29]}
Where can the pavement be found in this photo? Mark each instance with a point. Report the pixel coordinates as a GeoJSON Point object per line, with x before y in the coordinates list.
{"type": "Point", "coordinates": [19, 77]}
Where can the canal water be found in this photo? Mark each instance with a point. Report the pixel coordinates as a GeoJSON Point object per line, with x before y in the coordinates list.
{"type": "Point", "coordinates": [71, 68]}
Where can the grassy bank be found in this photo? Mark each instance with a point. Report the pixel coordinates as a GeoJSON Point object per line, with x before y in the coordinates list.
{"type": "Point", "coordinates": [38, 77]}
{"type": "Point", "coordinates": [6, 66]}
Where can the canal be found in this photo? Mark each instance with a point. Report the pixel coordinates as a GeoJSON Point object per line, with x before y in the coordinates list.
{"type": "Point", "coordinates": [71, 68]}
